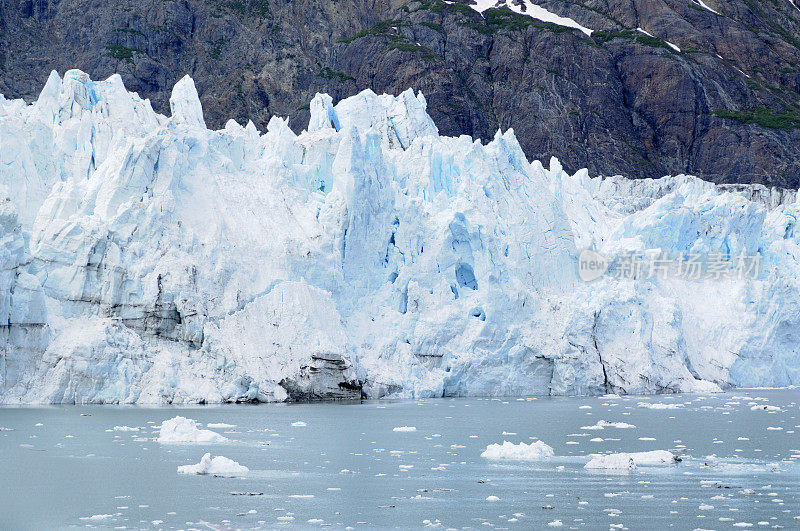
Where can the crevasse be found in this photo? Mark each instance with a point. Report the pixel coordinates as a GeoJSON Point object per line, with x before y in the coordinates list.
{"type": "Point", "coordinates": [148, 259]}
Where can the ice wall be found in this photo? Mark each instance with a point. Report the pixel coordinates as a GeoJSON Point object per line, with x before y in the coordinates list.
{"type": "Point", "coordinates": [145, 258]}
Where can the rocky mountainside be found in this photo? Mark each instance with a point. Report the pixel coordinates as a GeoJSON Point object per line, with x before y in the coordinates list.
{"type": "Point", "coordinates": [658, 87]}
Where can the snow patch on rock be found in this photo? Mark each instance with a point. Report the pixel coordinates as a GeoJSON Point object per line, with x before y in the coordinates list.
{"type": "Point", "coordinates": [526, 7]}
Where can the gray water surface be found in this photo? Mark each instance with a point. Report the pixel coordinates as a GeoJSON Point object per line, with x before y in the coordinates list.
{"type": "Point", "coordinates": [65, 466]}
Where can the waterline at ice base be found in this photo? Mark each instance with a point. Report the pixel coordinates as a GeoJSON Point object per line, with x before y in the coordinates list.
{"type": "Point", "coordinates": [148, 259]}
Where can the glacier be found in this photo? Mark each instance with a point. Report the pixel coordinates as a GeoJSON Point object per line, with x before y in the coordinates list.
{"type": "Point", "coordinates": [148, 259]}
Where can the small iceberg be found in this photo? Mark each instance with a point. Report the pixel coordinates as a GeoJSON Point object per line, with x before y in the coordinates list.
{"type": "Point", "coordinates": [654, 458]}
{"type": "Point", "coordinates": [405, 428]}
{"type": "Point", "coordinates": [535, 451]}
{"type": "Point", "coordinates": [601, 424]}
{"type": "Point", "coordinates": [611, 462]}
{"type": "Point", "coordinates": [217, 466]}
{"type": "Point", "coordinates": [180, 430]}
{"type": "Point", "coordinates": [97, 517]}
{"type": "Point", "coordinates": [629, 461]}
{"type": "Point", "coordinates": [659, 405]}
{"type": "Point", "coordinates": [765, 407]}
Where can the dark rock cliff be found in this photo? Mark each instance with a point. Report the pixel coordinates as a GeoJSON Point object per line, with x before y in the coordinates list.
{"type": "Point", "coordinates": [725, 107]}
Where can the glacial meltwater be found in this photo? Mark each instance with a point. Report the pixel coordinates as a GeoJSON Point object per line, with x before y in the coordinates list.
{"type": "Point", "coordinates": [404, 464]}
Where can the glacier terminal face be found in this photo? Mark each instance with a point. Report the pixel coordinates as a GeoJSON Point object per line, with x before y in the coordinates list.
{"type": "Point", "coordinates": [148, 259]}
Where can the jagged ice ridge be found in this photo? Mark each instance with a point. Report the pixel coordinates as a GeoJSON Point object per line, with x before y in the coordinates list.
{"type": "Point", "coordinates": [147, 259]}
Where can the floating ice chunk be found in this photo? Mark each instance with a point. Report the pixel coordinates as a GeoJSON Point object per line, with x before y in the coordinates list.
{"type": "Point", "coordinates": [654, 457]}
{"type": "Point", "coordinates": [124, 428]}
{"type": "Point", "coordinates": [298, 424]}
{"type": "Point", "coordinates": [492, 498]}
{"type": "Point", "coordinates": [659, 405]}
{"type": "Point", "coordinates": [180, 430]}
{"type": "Point", "coordinates": [555, 523]}
{"type": "Point", "coordinates": [220, 425]}
{"type": "Point", "coordinates": [217, 466]}
{"type": "Point", "coordinates": [405, 428]}
{"type": "Point", "coordinates": [611, 462]}
{"type": "Point", "coordinates": [765, 407]}
{"type": "Point", "coordinates": [606, 424]}
{"type": "Point", "coordinates": [535, 451]}
{"type": "Point", "coordinates": [625, 460]}
{"type": "Point", "coordinates": [97, 517]}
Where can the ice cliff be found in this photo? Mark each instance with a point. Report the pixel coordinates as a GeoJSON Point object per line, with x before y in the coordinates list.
{"type": "Point", "coordinates": [146, 258]}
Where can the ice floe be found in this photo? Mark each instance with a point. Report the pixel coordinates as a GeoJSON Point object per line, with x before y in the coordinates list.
{"type": "Point", "coordinates": [216, 466]}
{"type": "Point", "coordinates": [535, 451]}
{"type": "Point", "coordinates": [180, 430]}
{"type": "Point", "coordinates": [630, 460]}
